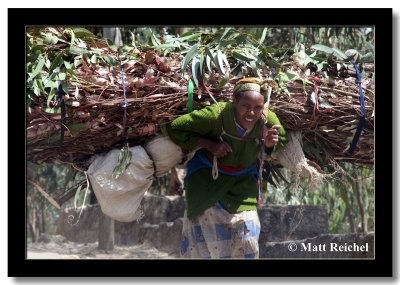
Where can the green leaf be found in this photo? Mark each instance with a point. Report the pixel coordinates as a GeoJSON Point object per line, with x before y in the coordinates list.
{"type": "Point", "coordinates": [211, 56]}
{"type": "Point", "coordinates": [47, 63]}
{"type": "Point", "coordinates": [77, 61]}
{"type": "Point", "coordinates": [322, 48]}
{"type": "Point", "coordinates": [36, 89]}
{"type": "Point", "coordinates": [50, 84]}
{"type": "Point", "coordinates": [367, 57]}
{"type": "Point", "coordinates": [57, 62]}
{"type": "Point", "coordinates": [241, 56]}
{"type": "Point", "coordinates": [370, 47]}
{"type": "Point", "coordinates": [82, 32]}
{"type": "Point", "coordinates": [38, 69]}
{"type": "Point", "coordinates": [39, 85]}
{"type": "Point", "coordinates": [70, 71]}
{"type": "Point", "coordinates": [225, 32]}
{"type": "Point", "coordinates": [48, 38]}
{"type": "Point", "coordinates": [51, 96]}
{"type": "Point", "coordinates": [195, 66]}
{"type": "Point", "coordinates": [264, 34]}
{"type": "Point", "coordinates": [191, 53]}
{"type": "Point", "coordinates": [309, 58]}
{"type": "Point", "coordinates": [241, 38]}
{"type": "Point", "coordinates": [61, 76]}
{"type": "Point", "coordinates": [72, 37]}
{"type": "Point", "coordinates": [124, 160]}
{"type": "Point", "coordinates": [225, 60]}
{"type": "Point", "coordinates": [64, 86]}
{"type": "Point", "coordinates": [340, 54]}
{"type": "Point", "coordinates": [154, 40]}
{"type": "Point", "coordinates": [56, 110]}
{"type": "Point", "coordinates": [37, 50]}
{"type": "Point", "coordinates": [188, 38]}
{"type": "Point", "coordinates": [93, 59]}
{"type": "Point", "coordinates": [54, 40]}
{"type": "Point", "coordinates": [76, 50]}
{"type": "Point", "coordinates": [67, 65]}
{"type": "Point", "coordinates": [109, 59]}
{"type": "Point", "coordinates": [208, 63]}
{"type": "Point", "coordinates": [202, 57]}
{"type": "Point", "coordinates": [320, 65]}
{"type": "Point", "coordinates": [220, 65]}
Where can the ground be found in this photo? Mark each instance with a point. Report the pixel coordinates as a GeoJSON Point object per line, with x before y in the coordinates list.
{"type": "Point", "coordinates": [58, 247]}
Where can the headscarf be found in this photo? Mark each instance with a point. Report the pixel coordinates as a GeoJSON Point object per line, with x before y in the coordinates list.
{"type": "Point", "coordinates": [253, 84]}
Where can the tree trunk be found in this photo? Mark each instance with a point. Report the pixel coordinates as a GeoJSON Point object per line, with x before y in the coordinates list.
{"type": "Point", "coordinates": [349, 210]}
{"type": "Point", "coordinates": [42, 224]}
{"type": "Point", "coordinates": [113, 34]}
{"type": "Point", "coordinates": [350, 217]}
{"type": "Point", "coordinates": [33, 224]}
{"type": "Point", "coordinates": [32, 232]}
{"type": "Point", "coordinates": [360, 202]}
{"type": "Point", "coordinates": [106, 232]}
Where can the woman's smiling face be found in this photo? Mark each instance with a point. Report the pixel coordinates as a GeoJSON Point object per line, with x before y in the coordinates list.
{"type": "Point", "coordinates": [248, 108]}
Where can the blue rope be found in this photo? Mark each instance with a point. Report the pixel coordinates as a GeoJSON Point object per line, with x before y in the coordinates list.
{"type": "Point", "coordinates": [125, 103]}
{"type": "Point", "coordinates": [362, 111]}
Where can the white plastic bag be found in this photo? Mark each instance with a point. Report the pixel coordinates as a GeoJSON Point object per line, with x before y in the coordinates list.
{"type": "Point", "coordinates": [120, 198]}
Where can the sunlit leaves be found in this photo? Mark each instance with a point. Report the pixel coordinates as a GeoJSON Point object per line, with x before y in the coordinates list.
{"type": "Point", "coordinates": [190, 54]}
{"type": "Point", "coordinates": [38, 68]}
{"type": "Point", "coordinates": [124, 160]}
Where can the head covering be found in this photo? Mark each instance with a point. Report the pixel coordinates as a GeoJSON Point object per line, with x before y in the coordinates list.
{"type": "Point", "coordinates": [253, 84]}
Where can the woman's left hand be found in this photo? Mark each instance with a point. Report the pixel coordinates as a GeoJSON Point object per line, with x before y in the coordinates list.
{"type": "Point", "coordinates": [270, 136]}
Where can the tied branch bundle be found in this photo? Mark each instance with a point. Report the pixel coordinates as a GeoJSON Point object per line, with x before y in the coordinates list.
{"type": "Point", "coordinates": [111, 99]}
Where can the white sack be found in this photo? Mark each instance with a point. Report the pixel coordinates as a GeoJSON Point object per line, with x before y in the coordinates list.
{"type": "Point", "coordinates": [120, 198]}
{"type": "Point", "coordinates": [165, 154]}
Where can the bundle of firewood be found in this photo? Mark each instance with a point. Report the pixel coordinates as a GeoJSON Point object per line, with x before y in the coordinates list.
{"type": "Point", "coordinates": [108, 105]}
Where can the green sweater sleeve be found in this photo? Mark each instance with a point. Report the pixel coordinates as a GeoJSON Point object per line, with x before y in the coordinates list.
{"type": "Point", "coordinates": [272, 119]}
{"type": "Point", "coordinates": [185, 129]}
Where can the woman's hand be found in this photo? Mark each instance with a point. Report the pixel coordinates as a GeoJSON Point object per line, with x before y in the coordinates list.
{"type": "Point", "coordinates": [270, 136]}
{"type": "Point", "coordinates": [217, 148]}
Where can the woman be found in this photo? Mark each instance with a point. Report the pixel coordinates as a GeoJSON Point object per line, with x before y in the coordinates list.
{"type": "Point", "coordinates": [222, 182]}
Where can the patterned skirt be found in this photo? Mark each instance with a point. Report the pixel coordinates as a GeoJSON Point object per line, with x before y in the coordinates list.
{"type": "Point", "coordinates": [218, 234]}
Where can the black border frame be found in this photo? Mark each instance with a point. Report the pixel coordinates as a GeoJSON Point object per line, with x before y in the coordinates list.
{"type": "Point", "coordinates": [18, 265]}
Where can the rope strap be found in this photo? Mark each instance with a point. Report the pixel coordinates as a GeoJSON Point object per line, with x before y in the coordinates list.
{"type": "Point", "coordinates": [260, 171]}
{"type": "Point", "coordinates": [361, 122]}
{"type": "Point", "coordinates": [189, 104]}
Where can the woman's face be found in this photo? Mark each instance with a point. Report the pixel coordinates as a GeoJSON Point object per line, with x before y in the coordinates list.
{"type": "Point", "coordinates": [249, 108]}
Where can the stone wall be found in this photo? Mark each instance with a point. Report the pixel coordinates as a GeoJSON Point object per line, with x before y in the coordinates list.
{"type": "Point", "coordinates": [162, 226]}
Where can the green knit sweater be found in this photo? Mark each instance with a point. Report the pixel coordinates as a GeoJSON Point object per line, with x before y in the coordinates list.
{"type": "Point", "coordinates": [235, 193]}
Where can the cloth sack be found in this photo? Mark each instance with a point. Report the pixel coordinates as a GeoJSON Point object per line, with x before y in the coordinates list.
{"type": "Point", "coordinates": [164, 153]}
{"type": "Point", "coordinates": [120, 198]}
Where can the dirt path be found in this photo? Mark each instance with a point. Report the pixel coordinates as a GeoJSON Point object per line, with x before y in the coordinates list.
{"type": "Point", "coordinates": [58, 247]}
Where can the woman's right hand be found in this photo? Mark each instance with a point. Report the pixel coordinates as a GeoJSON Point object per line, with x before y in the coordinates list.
{"type": "Point", "coordinates": [217, 148]}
